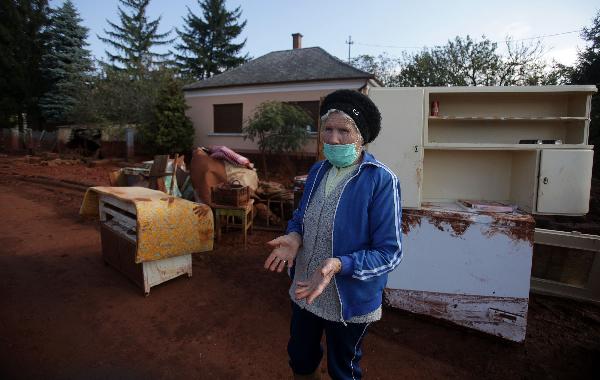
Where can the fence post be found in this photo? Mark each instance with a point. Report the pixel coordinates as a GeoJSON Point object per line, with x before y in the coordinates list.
{"type": "Point", "coordinates": [130, 138]}
{"type": "Point", "coordinates": [15, 141]}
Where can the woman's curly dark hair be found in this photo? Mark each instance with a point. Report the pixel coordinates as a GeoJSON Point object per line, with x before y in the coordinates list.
{"type": "Point", "coordinates": [359, 107]}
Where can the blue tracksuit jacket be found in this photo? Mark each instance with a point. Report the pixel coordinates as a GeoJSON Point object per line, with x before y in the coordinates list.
{"type": "Point", "coordinates": [367, 232]}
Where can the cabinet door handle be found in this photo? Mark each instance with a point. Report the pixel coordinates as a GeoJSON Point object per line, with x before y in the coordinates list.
{"type": "Point", "coordinates": [545, 180]}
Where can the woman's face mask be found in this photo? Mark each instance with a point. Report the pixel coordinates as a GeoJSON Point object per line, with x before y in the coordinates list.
{"type": "Point", "coordinates": [342, 142]}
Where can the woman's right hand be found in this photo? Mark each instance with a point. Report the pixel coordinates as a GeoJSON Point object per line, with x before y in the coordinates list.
{"type": "Point", "coordinates": [285, 249]}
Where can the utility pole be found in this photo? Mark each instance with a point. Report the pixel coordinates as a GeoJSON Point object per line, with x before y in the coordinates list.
{"type": "Point", "coordinates": [349, 42]}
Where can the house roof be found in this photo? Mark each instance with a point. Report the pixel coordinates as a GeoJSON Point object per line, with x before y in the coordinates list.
{"type": "Point", "coordinates": [285, 66]}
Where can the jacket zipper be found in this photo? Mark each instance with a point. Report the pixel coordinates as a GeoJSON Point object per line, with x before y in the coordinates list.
{"type": "Point", "coordinates": [332, 230]}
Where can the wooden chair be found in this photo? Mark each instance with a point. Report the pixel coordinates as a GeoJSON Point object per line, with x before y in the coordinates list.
{"type": "Point", "coordinates": [245, 213]}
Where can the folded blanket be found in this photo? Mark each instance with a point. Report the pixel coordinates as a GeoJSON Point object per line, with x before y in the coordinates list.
{"type": "Point", "coordinates": [224, 153]}
{"type": "Point", "coordinates": [166, 226]}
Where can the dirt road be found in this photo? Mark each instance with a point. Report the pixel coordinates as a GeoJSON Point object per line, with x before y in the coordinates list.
{"type": "Point", "coordinates": [64, 314]}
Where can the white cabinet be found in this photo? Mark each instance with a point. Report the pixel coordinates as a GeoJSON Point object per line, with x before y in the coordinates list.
{"type": "Point", "coordinates": [520, 145]}
{"type": "Point", "coordinates": [470, 268]}
{"type": "Point", "coordinates": [400, 142]}
{"type": "Point", "coordinates": [564, 181]}
{"type": "Point", "coordinates": [489, 143]}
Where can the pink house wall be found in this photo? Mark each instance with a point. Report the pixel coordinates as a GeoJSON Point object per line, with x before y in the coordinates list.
{"type": "Point", "coordinates": [201, 108]}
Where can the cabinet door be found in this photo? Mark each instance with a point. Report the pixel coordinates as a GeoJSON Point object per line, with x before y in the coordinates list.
{"type": "Point", "coordinates": [564, 182]}
{"type": "Point", "coordinates": [574, 272]}
{"type": "Point", "coordinates": [400, 142]}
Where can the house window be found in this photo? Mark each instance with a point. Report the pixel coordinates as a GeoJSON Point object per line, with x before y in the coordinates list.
{"type": "Point", "coordinates": [227, 118]}
{"type": "Point", "coordinates": [312, 109]}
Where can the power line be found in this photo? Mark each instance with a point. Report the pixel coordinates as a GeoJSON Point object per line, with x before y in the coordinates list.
{"type": "Point", "coordinates": [507, 40]}
{"type": "Point", "coordinates": [546, 35]}
{"type": "Point", "coordinates": [391, 46]}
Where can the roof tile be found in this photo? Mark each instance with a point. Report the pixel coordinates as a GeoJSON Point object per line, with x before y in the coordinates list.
{"type": "Point", "coordinates": [296, 65]}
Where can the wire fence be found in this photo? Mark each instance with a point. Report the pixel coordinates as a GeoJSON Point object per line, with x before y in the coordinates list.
{"type": "Point", "coordinates": [28, 139]}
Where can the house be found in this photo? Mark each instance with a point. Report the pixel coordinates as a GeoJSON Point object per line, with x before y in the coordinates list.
{"type": "Point", "coordinates": [302, 76]}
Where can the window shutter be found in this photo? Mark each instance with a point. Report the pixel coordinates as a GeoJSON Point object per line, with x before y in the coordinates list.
{"type": "Point", "coordinates": [228, 118]}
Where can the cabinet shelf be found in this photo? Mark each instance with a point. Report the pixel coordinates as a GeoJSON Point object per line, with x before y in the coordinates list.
{"type": "Point", "coordinates": [504, 131]}
{"type": "Point", "coordinates": [508, 118]}
{"type": "Point", "coordinates": [487, 146]}
{"type": "Point", "coordinates": [471, 149]}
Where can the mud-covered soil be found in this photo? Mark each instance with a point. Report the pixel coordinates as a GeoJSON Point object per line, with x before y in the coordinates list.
{"type": "Point", "coordinates": [65, 315]}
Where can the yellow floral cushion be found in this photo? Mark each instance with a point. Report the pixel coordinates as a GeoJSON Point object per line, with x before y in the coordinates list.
{"type": "Point", "coordinates": [166, 226]}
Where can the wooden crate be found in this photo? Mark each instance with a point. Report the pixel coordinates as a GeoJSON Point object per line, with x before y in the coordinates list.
{"type": "Point", "coordinates": [230, 195]}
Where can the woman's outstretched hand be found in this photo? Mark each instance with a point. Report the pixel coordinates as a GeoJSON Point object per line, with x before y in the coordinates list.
{"type": "Point", "coordinates": [318, 281]}
{"type": "Point", "coordinates": [285, 249]}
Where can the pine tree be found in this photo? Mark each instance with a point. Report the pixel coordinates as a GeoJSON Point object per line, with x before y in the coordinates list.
{"type": "Point", "coordinates": [587, 68]}
{"type": "Point", "coordinates": [66, 64]}
{"type": "Point", "coordinates": [22, 42]}
{"type": "Point", "coordinates": [170, 131]}
{"type": "Point", "coordinates": [134, 39]}
{"type": "Point", "coordinates": [207, 46]}
{"type": "Point", "coordinates": [587, 71]}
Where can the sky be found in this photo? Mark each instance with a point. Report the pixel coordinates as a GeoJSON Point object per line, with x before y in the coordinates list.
{"type": "Point", "coordinates": [376, 26]}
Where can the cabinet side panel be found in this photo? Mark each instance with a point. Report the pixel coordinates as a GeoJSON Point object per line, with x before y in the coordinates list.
{"type": "Point", "coordinates": [133, 271]}
{"type": "Point", "coordinates": [399, 144]}
{"type": "Point", "coordinates": [110, 246]}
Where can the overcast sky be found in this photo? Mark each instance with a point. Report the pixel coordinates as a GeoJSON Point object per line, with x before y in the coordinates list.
{"type": "Point", "coordinates": [376, 26]}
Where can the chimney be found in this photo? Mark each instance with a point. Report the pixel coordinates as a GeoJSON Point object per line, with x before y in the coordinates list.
{"type": "Point", "coordinates": [297, 37]}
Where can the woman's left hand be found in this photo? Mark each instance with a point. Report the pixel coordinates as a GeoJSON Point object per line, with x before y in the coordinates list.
{"type": "Point", "coordinates": [319, 280]}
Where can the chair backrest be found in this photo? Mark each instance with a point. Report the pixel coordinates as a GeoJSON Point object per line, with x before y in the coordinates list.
{"type": "Point", "coordinates": [157, 171]}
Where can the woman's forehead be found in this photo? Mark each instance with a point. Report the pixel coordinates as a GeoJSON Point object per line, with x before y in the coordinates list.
{"type": "Point", "coordinates": [337, 119]}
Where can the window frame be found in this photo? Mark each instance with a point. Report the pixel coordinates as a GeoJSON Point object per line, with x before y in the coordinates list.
{"type": "Point", "coordinates": [316, 119]}
{"type": "Point", "coordinates": [222, 125]}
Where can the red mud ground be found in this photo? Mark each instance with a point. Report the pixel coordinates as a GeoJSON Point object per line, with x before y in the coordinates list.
{"type": "Point", "coordinates": [64, 314]}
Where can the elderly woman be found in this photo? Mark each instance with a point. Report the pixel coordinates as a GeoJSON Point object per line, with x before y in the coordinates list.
{"type": "Point", "coordinates": [341, 242]}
